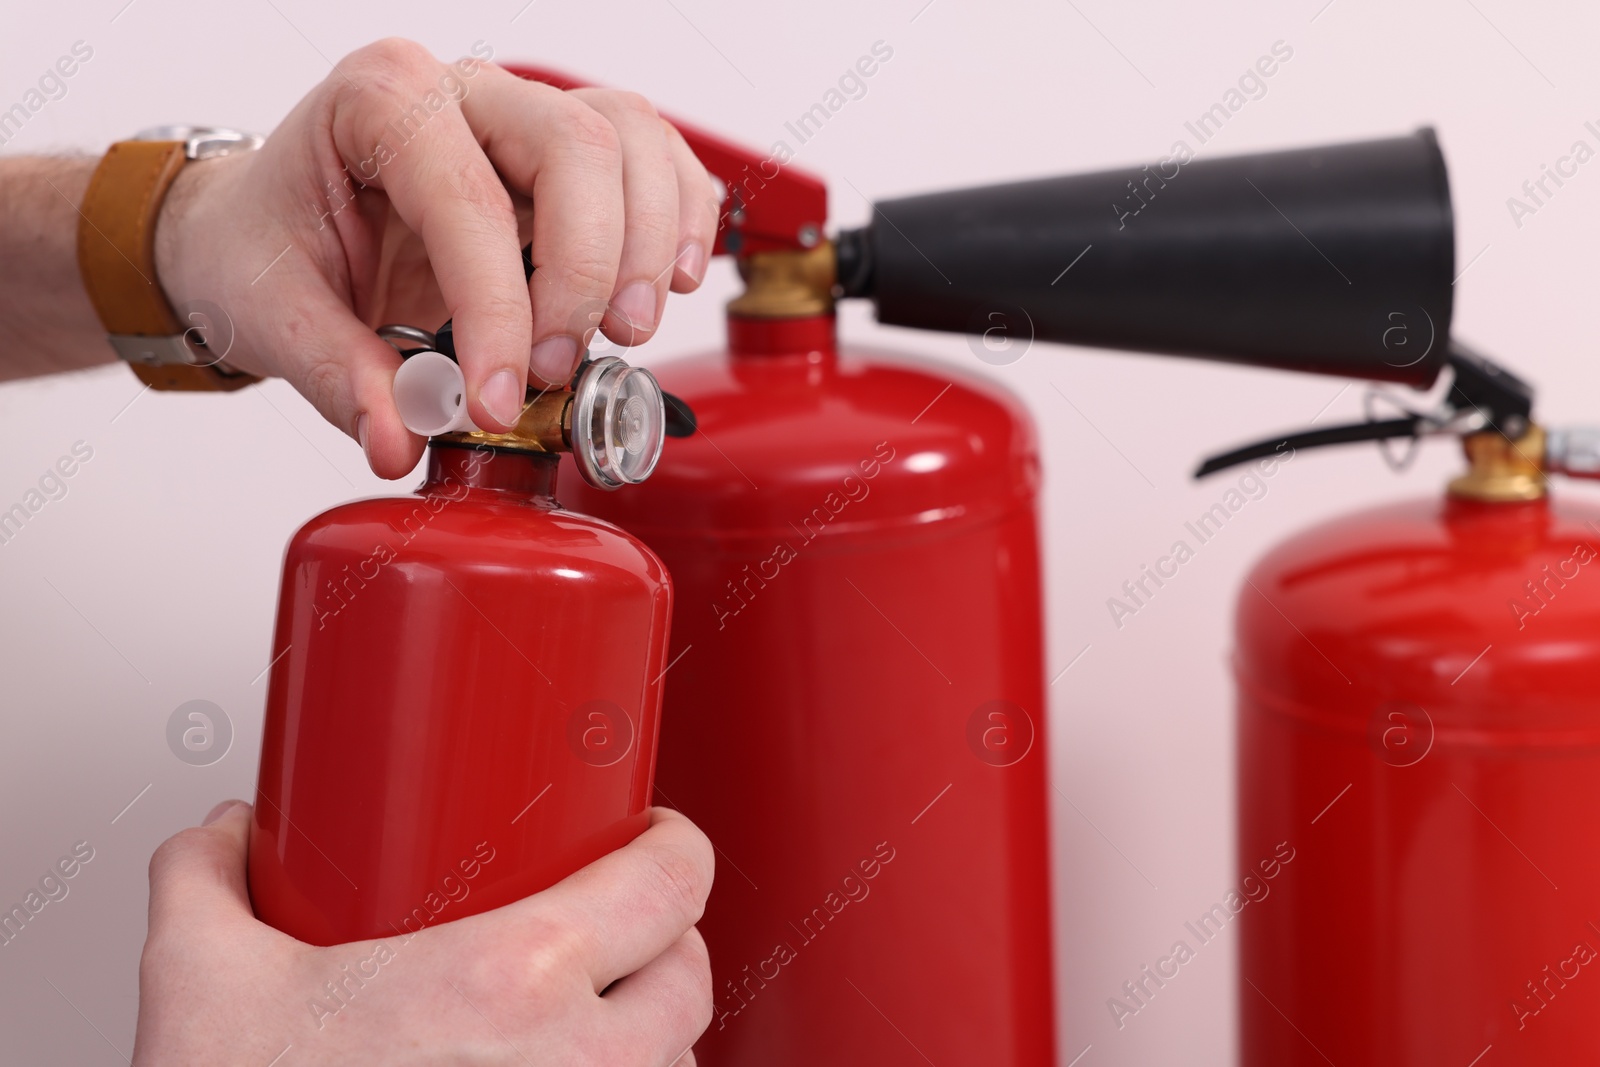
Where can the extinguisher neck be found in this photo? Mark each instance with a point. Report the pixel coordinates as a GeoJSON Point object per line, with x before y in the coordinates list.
{"type": "Point", "coordinates": [809, 337]}
{"type": "Point", "coordinates": [786, 309]}
{"type": "Point", "coordinates": [530, 476]}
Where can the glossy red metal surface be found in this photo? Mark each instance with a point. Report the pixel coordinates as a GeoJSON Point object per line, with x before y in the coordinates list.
{"type": "Point", "coordinates": [464, 706]}
{"type": "Point", "coordinates": [1418, 720]}
{"type": "Point", "coordinates": [855, 708]}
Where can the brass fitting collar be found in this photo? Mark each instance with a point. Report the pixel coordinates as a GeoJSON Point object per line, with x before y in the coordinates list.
{"type": "Point", "coordinates": [789, 284]}
{"type": "Point", "coordinates": [545, 426]}
{"type": "Point", "coordinates": [1502, 471]}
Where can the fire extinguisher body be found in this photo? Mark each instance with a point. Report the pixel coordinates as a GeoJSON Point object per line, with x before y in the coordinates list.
{"type": "Point", "coordinates": [464, 704]}
{"type": "Point", "coordinates": [856, 702]}
{"type": "Point", "coordinates": [1418, 728]}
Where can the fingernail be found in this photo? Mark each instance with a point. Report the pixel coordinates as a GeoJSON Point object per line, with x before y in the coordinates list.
{"type": "Point", "coordinates": [220, 810]}
{"type": "Point", "coordinates": [692, 260]}
{"type": "Point", "coordinates": [553, 359]}
{"type": "Point", "coordinates": [502, 396]}
{"type": "Point", "coordinates": [637, 304]}
{"type": "Point", "coordinates": [361, 434]}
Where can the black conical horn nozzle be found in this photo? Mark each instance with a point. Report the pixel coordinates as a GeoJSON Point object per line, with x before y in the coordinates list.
{"type": "Point", "coordinates": [1335, 260]}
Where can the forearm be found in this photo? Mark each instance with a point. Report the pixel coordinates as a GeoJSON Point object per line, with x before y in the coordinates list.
{"type": "Point", "coordinates": [49, 323]}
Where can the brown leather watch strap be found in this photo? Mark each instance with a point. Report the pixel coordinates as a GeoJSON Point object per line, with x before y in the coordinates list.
{"type": "Point", "coordinates": [116, 259]}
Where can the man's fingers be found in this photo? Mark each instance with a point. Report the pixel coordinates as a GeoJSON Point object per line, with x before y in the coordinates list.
{"type": "Point", "coordinates": [551, 145]}
{"type": "Point", "coordinates": [626, 908]}
{"type": "Point", "coordinates": [347, 372]}
{"type": "Point", "coordinates": [650, 214]}
{"type": "Point", "coordinates": [699, 210]}
{"type": "Point", "coordinates": [199, 873]}
{"type": "Point", "coordinates": [403, 132]}
{"type": "Point", "coordinates": [666, 1004]}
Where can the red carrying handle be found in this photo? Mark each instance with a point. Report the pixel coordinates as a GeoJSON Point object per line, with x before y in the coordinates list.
{"type": "Point", "coordinates": [771, 206]}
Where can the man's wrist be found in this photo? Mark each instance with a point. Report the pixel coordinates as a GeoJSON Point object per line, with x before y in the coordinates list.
{"type": "Point", "coordinates": [191, 243]}
{"type": "Point", "coordinates": [177, 247]}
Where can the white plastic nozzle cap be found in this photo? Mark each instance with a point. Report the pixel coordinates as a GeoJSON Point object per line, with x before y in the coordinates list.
{"type": "Point", "coordinates": [431, 393]}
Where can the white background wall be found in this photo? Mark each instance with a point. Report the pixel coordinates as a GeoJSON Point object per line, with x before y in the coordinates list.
{"type": "Point", "coordinates": [153, 581]}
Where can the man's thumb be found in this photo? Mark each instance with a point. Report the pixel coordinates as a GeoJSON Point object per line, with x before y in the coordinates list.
{"type": "Point", "coordinates": [200, 872]}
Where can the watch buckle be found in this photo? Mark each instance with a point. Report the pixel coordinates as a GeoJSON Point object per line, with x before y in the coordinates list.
{"type": "Point", "coordinates": [158, 351]}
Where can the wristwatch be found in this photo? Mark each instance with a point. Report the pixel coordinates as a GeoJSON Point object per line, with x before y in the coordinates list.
{"type": "Point", "coordinates": [116, 258]}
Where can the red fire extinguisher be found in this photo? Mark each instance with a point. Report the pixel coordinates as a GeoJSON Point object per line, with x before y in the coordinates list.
{"type": "Point", "coordinates": [1417, 730]}
{"type": "Point", "coordinates": [856, 711]}
{"type": "Point", "coordinates": [464, 702]}
{"type": "Point", "coordinates": [855, 707]}
{"type": "Point", "coordinates": [856, 702]}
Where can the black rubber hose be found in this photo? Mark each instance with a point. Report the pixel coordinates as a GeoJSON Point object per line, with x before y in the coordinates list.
{"type": "Point", "coordinates": [1333, 435]}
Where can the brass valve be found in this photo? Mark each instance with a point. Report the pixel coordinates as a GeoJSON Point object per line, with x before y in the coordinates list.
{"type": "Point", "coordinates": [544, 426]}
{"type": "Point", "coordinates": [787, 284]}
{"type": "Point", "coordinates": [1501, 470]}
{"type": "Point", "coordinates": [612, 420]}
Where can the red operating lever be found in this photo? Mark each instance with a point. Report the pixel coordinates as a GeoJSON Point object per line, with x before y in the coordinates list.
{"type": "Point", "coordinates": [770, 205]}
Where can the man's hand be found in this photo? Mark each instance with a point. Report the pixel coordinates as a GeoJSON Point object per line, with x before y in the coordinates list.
{"type": "Point", "coordinates": [393, 193]}
{"type": "Point", "coordinates": [401, 189]}
{"type": "Point", "coordinates": [603, 968]}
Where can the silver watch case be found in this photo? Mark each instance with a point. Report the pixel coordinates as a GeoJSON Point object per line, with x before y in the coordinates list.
{"type": "Point", "coordinates": [204, 142]}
